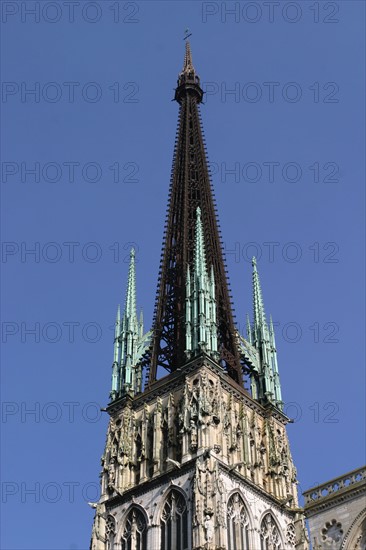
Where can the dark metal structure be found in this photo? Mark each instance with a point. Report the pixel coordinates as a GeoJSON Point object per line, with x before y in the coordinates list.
{"type": "Point", "coordinates": [190, 188]}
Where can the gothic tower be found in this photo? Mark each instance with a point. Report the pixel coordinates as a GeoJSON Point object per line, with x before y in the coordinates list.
{"type": "Point", "coordinates": [197, 455]}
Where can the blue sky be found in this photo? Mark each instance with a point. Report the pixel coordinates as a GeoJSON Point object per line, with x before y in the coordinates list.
{"type": "Point", "coordinates": [284, 110]}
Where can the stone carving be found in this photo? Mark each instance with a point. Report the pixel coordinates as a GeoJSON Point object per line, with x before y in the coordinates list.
{"type": "Point", "coordinates": [201, 400]}
{"type": "Point", "coordinates": [202, 417]}
{"type": "Point", "coordinates": [301, 536]}
{"type": "Point", "coordinates": [206, 484]}
{"type": "Point", "coordinates": [112, 473]}
{"type": "Point", "coordinates": [280, 464]}
{"type": "Point", "coordinates": [209, 528]}
{"type": "Point", "coordinates": [198, 513]}
{"type": "Point", "coordinates": [135, 529]}
{"type": "Point", "coordinates": [332, 531]}
{"type": "Point", "coordinates": [290, 534]}
{"type": "Point", "coordinates": [198, 408]}
{"type": "Point", "coordinates": [355, 539]}
{"type": "Point", "coordinates": [226, 418]}
{"type": "Point", "coordinates": [193, 432]}
{"type": "Point", "coordinates": [184, 411]}
{"type": "Point", "coordinates": [270, 534]}
{"type": "Point", "coordinates": [220, 513]}
{"type": "Point", "coordinates": [237, 523]}
{"type": "Point", "coordinates": [361, 541]}
{"type": "Point", "coordinates": [236, 511]}
{"type": "Point", "coordinates": [110, 526]}
{"type": "Point", "coordinates": [124, 445]}
{"type": "Point", "coordinates": [159, 405]}
{"type": "Point", "coordinates": [216, 405]}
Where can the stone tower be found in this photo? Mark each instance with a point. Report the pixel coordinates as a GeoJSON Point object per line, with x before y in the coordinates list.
{"type": "Point", "coordinates": [197, 455]}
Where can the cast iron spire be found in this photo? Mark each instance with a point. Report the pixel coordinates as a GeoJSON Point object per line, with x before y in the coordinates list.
{"type": "Point", "coordinates": [190, 189]}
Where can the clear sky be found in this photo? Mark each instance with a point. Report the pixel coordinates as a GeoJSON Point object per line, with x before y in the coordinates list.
{"type": "Point", "coordinates": [283, 112]}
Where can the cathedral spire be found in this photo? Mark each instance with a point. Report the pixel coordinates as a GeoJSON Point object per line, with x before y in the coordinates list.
{"type": "Point", "coordinates": [181, 456]}
{"type": "Point", "coordinates": [190, 189]}
{"type": "Point", "coordinates": [262, 337]}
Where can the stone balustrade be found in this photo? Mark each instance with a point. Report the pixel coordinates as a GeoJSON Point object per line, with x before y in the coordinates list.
{"type": "Point", "coordinates": [334, 486]}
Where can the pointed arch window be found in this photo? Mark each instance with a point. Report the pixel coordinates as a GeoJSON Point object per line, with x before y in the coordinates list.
{"type": "Point", "coordinates": [270, 536]}
{"type": "Point", "coordinates": [135, 532]}
{"type": "Point", "coordinates": [174, 523]}
{"type": "Point", "coordinates": [237, 524]}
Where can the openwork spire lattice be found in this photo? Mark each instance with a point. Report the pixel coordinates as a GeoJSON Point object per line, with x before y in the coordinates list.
{"type": "Point", "coordinates": [190, 189]}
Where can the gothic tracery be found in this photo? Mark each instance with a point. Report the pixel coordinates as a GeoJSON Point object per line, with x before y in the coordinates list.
{"type": "Point", "coordinates": [270, 536]}
{"type": "Point", "coordinates": [174, 522]}
{"type": "Point", "coordinates": [134, 535]}
{"type": "Point", "coordinates": [237, 524]}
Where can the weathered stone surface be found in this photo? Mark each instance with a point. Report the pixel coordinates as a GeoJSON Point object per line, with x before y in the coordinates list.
{"type": "Point", "coordinates": [225, 456]}
{"type": "Point", "coordinates": [336, 512]}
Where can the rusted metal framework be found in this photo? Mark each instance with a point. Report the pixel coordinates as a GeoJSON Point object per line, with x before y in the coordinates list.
{"type": "Point", "coordinates": [190, 188]}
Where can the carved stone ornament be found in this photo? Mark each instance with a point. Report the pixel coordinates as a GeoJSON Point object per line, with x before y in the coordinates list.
{"type": "Point", "coordinates": [332, 531]}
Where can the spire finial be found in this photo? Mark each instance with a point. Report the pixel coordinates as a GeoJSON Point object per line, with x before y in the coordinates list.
{"type": "Point", "coordinates": [201, 327]}
{"type": "Point", "coordinates": [200, 254]}
{"type": "Point", "coordinates": [188, 64]}
{"type": "Point", "coordinates": [188, 80]}
{"type": "Point", "coordinates": [258, 305]}
{"type": "Point", "coordinates": [130, 308]}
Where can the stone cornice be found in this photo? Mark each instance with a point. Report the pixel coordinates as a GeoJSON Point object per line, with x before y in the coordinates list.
{"type": "Point", "coordinates": [176, 379]}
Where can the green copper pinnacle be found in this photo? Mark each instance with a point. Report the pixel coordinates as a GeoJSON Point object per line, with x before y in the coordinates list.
{"type": "Point", "coordinates": [201, 327]}
{"type": "Point", "coordinates": [129, 343]}
{"type": "Point", "coordinates": [267, 384]}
